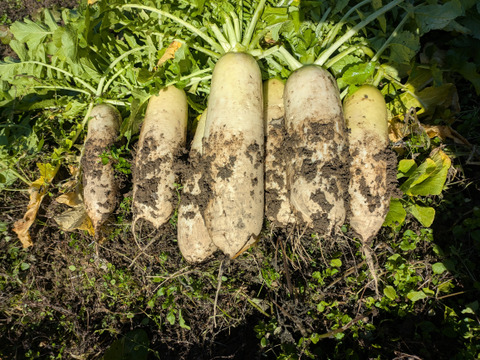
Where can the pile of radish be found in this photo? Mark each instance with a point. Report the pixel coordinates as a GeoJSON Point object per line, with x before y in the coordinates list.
{"type": "Point", "coordinates": [290, 152]}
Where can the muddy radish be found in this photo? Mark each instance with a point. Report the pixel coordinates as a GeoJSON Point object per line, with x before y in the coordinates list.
{"type": "Point", "coordinates": [100, 190]}
{"type": "Point", "coordinates": [277, 202]}
{"type": "Point", "coordinates": [162, 138]}
{"type": "Point", "coordinates": [193, 238]}
{"type": "Point", "coordinates": [316, 130]}
{"type": "Point", "coordinates": [233, 146]}
{"type": "Point", "coordinates": [366, 117]}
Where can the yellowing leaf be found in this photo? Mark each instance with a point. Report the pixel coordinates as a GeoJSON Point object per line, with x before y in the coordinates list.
{"type": "Point", "coordinates": [71, 199]}
{"type": "Point", "coordinates": [22, 226]}
{"type": "Point", "coordinates": [444, 132]}
{"type": "Point", "coordinates": [75, 218]}
{"type": "Point", "coordinates": [37, 192]}
{"type": "Point", "coordinates": [169, 53]}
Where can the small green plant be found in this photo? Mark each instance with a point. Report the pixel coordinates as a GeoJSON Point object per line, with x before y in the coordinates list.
{"type": "Point", "coordinates": [116, 156]}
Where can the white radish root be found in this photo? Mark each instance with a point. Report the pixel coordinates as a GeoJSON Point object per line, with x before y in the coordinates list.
{"type": "Point", "coordinates": [234, 149]}
{"type": "Point", "coordinates": [162, 139]}
{"type": "Point", "coordinates": [277, 202]}
{"type": "Point", "coordinates": [366, 117]}
{"type": "Point", "coordinates": [317, 169]}
{"type": "Point", "coordinates": [193, 238]}
{"type": "Point", "coordinates": [100, 190]}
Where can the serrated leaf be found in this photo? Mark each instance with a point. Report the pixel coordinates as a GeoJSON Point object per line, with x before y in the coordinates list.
{"type": "Point", "coordinates": [396, 214]}
{"type": "Point", "coordinates": [424, 214]}
{"type": "Point", "coordinates": [358, 74]}
{"type": "Point", "coordinates": [50, 20]}
{"type": "Point", "coordinates": [436, 17]}
{"type": "Point", "coordinates": [65, 39]}
{"type": "Point", "coordinates": [404, 47]}
{"type": "Point", "coordinates": [30, 33]}
{"type": "Point", "coordinates": [390, 292]}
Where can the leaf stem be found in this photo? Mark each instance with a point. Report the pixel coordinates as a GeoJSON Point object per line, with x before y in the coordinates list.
{"type": "Point", "coordinates": [253, 23]}
{"type": "Point", "coordinates": [226, 46]}
{"type": "Point", "coordinates": [343, 20]}
{"type": "Point", "coordinates": [292, 63]}
{"type": "Point", "coordinates": [391, 37]}
{"type": "Point", "coordinates": [109, 82]}
{"type": "Point", "coordinates": [217, 47]}
{"type": "Point", "coordinates": [85, 84]}
{"type": "Point", "coordinates": [100, 87]}
{"type": "Point", "coordinates": [236, 26]}
{"type": "Point", "coordinates": [327, 53]}
{"type": "Point", "coordinates": [15, 172]}
{"type": "Point", "coordinates": [63, 88]}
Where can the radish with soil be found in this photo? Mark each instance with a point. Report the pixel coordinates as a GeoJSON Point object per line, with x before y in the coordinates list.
{"type": "Point", "coordinates": [193, 238]}
{"type": "Point", "coordinates": [100, 190]}
{"type": "Point", "coordinates": [277, 203]}
{"type": "Point", "coordinates": [162, 139]}
{"type": "Point", "coordinates": [233, 142]}
{"type": "Point", "coordinates": [318, 171]}
{"type": "Point", "coordinates": [316, 128]}
{"type": "Point", "coordinates": [366, 117]}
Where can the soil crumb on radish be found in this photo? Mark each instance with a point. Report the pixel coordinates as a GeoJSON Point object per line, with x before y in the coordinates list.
{"type": "Point", "coordinates": [148, 173]}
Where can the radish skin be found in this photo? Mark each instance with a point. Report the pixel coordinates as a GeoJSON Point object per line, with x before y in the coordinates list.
{"type": "Point", "coordinates": [277, 203]}
{"type": "Point", "coordinates": [162, 138]}
{"type": "Point", "coordinates": [100, 190]}
{"type": "Point", "coordinates": [193, 238]}
{"type": "Point", "coordinates": [316, 170]}
{"type": "Point", "coordinates": [366, 117]}
{"type": "Point", "coordinates": [234, 147]}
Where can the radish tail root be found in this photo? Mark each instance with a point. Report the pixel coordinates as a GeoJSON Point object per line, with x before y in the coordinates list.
{"type": "Point", "coordinates": [367, 252]}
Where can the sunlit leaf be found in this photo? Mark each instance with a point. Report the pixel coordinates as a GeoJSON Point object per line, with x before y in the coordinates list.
{"type": "Point", "coordinates": [424, 214]}
{"type": "Point", "coordinates": [416, 295]}
{"type": "Point", "coordinates": [390, 292]}
{"type": "Point", "coordinates": [396, 214]}
{"type": "Point", "coordinates": [406, 167]}
{"type": "Point", "coordinates": [438, 268]}
{"type": "Point", "coordinates": [430, 177]}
